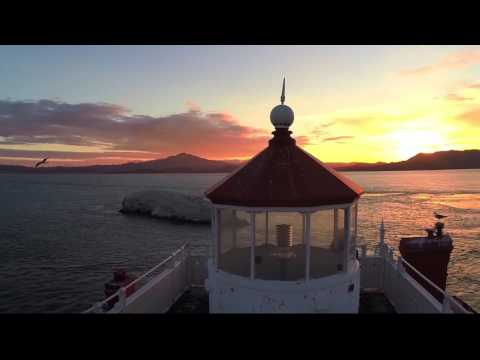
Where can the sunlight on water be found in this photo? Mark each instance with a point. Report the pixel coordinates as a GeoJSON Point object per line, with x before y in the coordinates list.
{"type": "Point", "coordinates": [61, 235]}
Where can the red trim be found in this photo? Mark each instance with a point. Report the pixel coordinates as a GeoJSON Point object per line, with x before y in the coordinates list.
{"type": "Point", "coordinates": [284, 175]}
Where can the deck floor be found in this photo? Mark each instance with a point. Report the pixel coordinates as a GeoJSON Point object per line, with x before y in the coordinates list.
{"type": "Point", "coordinates": [375, 302]}
{"type": "Point", "coordinates": [195, 301]}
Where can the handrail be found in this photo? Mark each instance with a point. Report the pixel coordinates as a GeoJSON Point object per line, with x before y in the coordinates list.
{"type": "Point", "coordinates": [430, 282]}
{"type": "Point", "coordinates": [173, 255]}
{"type": "Point", "coordinates": [444, 293]}
{"type": "Point", "coordinates": [143, 276]}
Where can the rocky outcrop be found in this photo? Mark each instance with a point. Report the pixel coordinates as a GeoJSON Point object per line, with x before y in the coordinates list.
{"type": "Point", "coordinates": [168, 205]}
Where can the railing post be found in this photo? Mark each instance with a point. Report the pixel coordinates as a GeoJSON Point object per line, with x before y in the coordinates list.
{"type": "Point", "coordinates": [446, 309]}
{"type": "Point", "coordinates": [382, 232]}
{"type": "Point", "coordinates": [381, 243]}
{"type": "Point", "coordinates": [211, 249]}
{"type": "Point", "coordinates": [306, 236]}
{"type": "Point", "coordinates": [364, 250]}
{"type": "Point", "coordinates": [234, 229]}
{"type": "Point", "coordinates": [216, 237]}
{"type": "Point", "coordinates": [122, 298]}
{"type": "Point", "coordinates": [266, 227]}
{"type": "Point", "coordinates": [346, 238]}
{"type": "Point", "coordinates": [188, 266]}
{"type": "Point", "coordinates": [252, 245]}
{"type": "Point", "coordinates": [400, 267]}
{"type": "Point", "coordinates": [356, 221]}
{"type": "Point", "coordinates": [335, 224]}
{"type": "Point", "coordinates": [97, 308]}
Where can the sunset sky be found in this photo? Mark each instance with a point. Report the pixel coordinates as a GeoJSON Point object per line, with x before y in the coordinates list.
{"type": "Point", "coordinates": [111, 104]}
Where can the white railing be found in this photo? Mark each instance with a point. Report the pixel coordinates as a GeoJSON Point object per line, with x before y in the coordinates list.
{"type": "Point", "coordinates": [164, 283]}
{"type": "Point", "coordinates": [387, 272]}
{"type": "Point", "coordinates": [159, 288]}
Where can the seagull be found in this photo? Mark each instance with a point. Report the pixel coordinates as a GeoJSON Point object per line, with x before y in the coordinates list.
{"type": "Point", "coordinates": [41, 162]}
{"type": "Point", "coordinates": [438, 216]}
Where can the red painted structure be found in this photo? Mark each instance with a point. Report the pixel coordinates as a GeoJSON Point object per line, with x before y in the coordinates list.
{"type": "Point", "coordinates": [430, 255]}
{"type": "Point", "coordinates": [120, 279]}
{"type": "Point", "coordinates": [284, 175]}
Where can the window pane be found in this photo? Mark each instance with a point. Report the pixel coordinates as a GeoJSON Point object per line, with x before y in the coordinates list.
{"type": "Point", "coordinates": [279, 251]}
{"type": "Point", "coordinates": [234, 254]}
{"type": "Point", "coordinates": [327, 243]}
{"type": "Point", "coordinates": [353, 227]}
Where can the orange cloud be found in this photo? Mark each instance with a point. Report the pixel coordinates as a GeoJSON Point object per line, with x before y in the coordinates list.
{"type": "Point", "coordinates": [336, 138]}
{"type": "Point", "coordinates": [471, 117]}
{"type": "Point", "coordinates": [457, 98]}
{"type": "Point", "coordinates": [117, 133]}
{"type": "Point", "coordinates": [457, 60]}
{"type": "Point", "coordinates": [474, 86]}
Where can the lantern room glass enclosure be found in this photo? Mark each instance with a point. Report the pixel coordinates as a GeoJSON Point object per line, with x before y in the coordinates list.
{"type": "Point", "coordinates": [285, 245]}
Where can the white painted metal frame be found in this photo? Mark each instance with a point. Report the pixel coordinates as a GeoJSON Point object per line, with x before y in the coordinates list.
{"type": "Point", "coordinates": [230, 293]}
{"type": "Point", "coordinates": [385, 272]}
{"type": "Point", "coordinates": [346, 240]}
{"type": "Point", "coordinates": [306, 214]}
{"type": "Point", "coordinates": [307, 236]}
{"type": "Point", "coordinates": [266, 227]}
{"type": "Point", "coordinates": [252, 246]}
{"type": "Point", "coordinates": [311, 209]}
{"type": "Point", "coordinates": [216, 231]}
{"type": "Point", "coordinates": [234, 229]}
{"type": "Point", "coordinates": [170, 280]}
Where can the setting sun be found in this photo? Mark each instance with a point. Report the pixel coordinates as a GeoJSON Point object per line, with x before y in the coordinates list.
{"type": "Point", "coordinates": [406, 144]}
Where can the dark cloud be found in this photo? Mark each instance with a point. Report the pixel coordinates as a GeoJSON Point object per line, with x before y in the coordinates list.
{"type": "Point", "coordinates": [79, 155]}
{"type": "Point", "coordinates": [320, 130]}
{"type": "Point", "coordinates": [326, 125]}
{"type": "Point", "coordinates": [113, 128]}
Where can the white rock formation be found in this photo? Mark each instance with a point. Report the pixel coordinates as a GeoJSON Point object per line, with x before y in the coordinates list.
{"type": "Point", "coordinates": [167, 205]}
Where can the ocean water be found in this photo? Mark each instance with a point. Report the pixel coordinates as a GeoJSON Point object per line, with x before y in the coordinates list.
{"type": "Point", "coordinates": [61, 235]}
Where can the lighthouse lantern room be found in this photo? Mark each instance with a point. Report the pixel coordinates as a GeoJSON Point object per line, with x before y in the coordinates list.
{"type": "Point", "coordinates": [284, 229]}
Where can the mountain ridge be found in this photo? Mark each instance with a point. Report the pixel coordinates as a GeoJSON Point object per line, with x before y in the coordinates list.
{"type": "Point", "coordinates": [188, 163]}
{"type": "Point", "coordinates": [439, 160]}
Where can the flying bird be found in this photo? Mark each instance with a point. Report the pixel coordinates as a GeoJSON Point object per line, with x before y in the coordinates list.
{"type": "Point", "coordinates": [439, 216]}
{"type": "Point", "coordinates": [41, 162]}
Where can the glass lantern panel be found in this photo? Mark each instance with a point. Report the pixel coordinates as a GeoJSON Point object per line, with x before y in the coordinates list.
{"type": "Point", "coordinates": [234, 242]}
{"type": "Point", "coordinates": [353, 232]}
{"type": "Point", "coordinates": [280, 249]}
{"type": "Point", "coordinates": [327, 247]}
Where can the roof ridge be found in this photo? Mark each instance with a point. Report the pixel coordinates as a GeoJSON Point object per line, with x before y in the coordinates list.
{"type": "Point", "coordinates": [284, 175]}
{"type": "Point", "coordinates": [345, 180]}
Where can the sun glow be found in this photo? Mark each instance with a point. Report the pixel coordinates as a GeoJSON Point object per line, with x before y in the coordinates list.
{"type": "Point", "coordinates": [406, 144]}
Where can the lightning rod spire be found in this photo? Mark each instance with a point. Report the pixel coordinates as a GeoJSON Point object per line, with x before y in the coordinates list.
{"type": "Point", "coordinates": [282, 98]}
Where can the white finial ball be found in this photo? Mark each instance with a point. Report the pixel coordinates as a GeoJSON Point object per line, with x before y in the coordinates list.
{"type": "Point", "coordinates": [281, 116]}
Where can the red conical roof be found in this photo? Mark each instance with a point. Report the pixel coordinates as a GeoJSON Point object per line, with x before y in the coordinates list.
{"type": "Point", "coordinates": [284, 175]}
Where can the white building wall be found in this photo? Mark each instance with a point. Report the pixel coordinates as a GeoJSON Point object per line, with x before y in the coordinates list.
{"type": "Point", "coordinates": [333, 294]}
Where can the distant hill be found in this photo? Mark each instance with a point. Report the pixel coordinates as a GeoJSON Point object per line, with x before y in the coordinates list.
{"type": "Point", "coordinates": [440, 160]}
{"type": "Point", "coordinates": [181, 163]}
{"type": "Point", "coordinates": [187, 163]}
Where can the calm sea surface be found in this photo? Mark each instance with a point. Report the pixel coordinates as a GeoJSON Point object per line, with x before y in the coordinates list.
{"type": "Point", "coordinates": [61, 235]}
